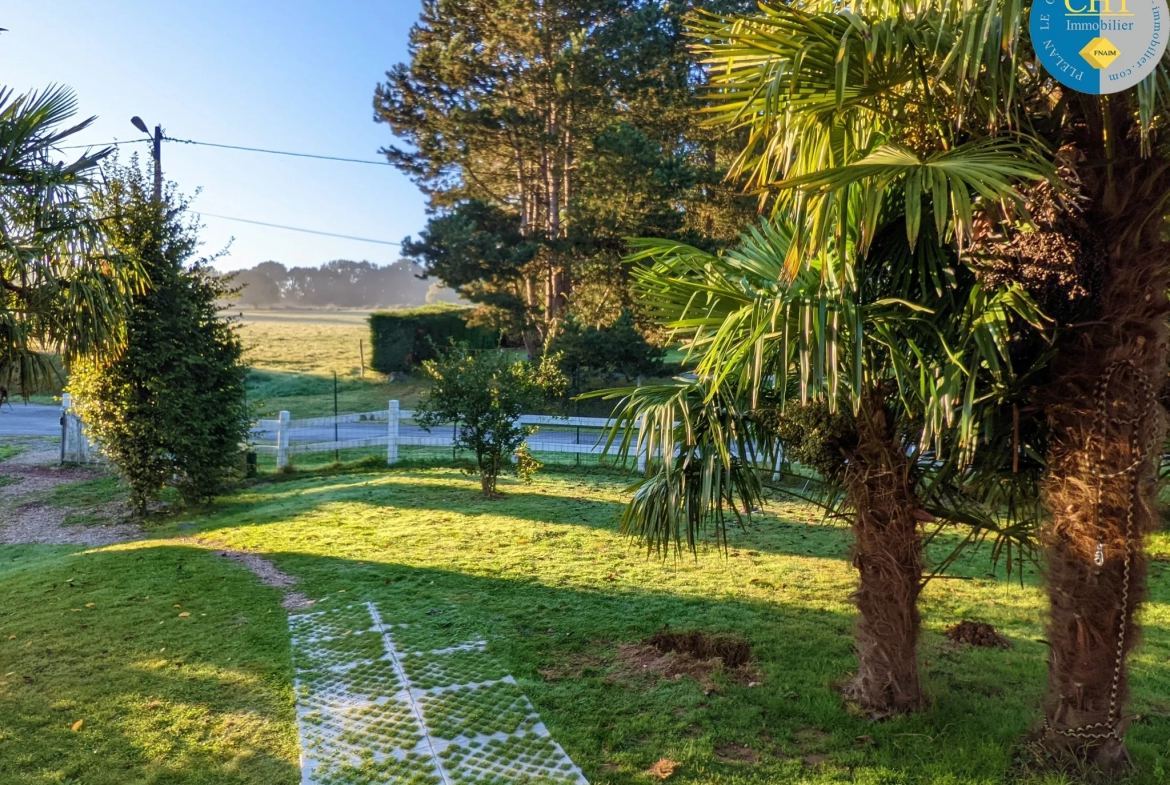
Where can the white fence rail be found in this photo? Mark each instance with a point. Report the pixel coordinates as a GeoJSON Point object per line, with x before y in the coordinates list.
{"type": "Point", "coordinates": [394, 427]}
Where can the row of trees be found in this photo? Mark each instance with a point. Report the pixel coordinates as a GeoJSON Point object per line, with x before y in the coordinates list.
{"type": "Point", "coordinates": [955, 308]}
{"type": "Point", "coordinates": [340, 283]}
{"type": "Point", "coordinates": [96, 269]}
{"type": "Point", "coordinates": [544, 134]}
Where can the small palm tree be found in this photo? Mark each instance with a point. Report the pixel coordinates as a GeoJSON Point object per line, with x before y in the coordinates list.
{"type": "Point", "coordinates": [61, 290]}
{"type": "Point", "coordinates": [912, 380]}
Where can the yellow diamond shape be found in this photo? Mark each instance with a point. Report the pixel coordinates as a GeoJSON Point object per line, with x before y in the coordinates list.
{"type": "Point", "coordinates": [1100, 52]}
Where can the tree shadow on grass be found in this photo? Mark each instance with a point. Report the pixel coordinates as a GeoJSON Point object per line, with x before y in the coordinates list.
{"type": "Point", "coordinates": [103, 685]}
{"type": "Point", "coordinates": [563, 644]}
{"type": "Point", "coordinates": [108, 663]}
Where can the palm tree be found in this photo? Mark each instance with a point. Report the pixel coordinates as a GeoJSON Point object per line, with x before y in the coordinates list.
{"type": "Point", "coordinates": [60, 289]}
{"type": "Point", "coordinates": [939, 109]}
{"type": "Point", "coordinates": [855, 335]}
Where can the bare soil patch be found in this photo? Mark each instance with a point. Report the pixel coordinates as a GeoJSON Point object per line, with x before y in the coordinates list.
{"type": "Point", "coordinates": [977, 633]}
{"type": "Point", "coordinates": [733, 650]}
{"type": "Point", "coordinates": [670, 655]}
{"type": "Point", "coordinates": [737, 753]}
{"type": "Point", "coordinates": [25, 522]}
{"type": "Point", "coordinates": [40, 524]}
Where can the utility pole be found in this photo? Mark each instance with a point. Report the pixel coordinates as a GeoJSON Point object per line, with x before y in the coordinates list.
{"type": "Point", "coordinates": [157, 153]}
{"type": "Point", "coordinates": [158, 163]}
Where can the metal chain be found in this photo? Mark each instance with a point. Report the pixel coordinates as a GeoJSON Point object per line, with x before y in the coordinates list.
{"type": "Point", "coordinates": [1138, 451]}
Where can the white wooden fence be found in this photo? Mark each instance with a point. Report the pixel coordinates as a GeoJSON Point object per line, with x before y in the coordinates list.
{"type": "Point", "coordinates": [395, 427]}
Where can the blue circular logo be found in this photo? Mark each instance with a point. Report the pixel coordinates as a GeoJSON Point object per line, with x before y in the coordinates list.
{"type": "Point", "coordinates": [1099, 46]}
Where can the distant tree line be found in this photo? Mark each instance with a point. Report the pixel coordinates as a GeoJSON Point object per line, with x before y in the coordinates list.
{"type": "Point", "coordinates": [338, 284]}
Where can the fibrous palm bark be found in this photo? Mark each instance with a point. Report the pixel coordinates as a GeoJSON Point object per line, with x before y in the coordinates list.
{"type": "Point", "coordinates": [887, 553]}
{"type": "Point", "coordinates": [1107, 428]}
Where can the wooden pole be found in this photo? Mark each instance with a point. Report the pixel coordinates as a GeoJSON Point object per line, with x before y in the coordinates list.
{"type": "Point", "coordinates": [362, 355]}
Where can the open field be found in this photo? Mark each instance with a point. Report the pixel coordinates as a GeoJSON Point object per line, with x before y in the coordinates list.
{"type": "Point", "coordinates": [294, 354]}
{"type": "Point", "coordinates": [564, 603]}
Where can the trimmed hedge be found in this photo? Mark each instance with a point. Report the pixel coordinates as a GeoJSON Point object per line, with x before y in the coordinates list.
{"type": "Point", "coordinates": [402, 339]}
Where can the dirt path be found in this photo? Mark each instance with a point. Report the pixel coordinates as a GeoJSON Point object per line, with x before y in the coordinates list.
{"type": "Point", "coordinates": [24, 520]}
{"type": "Point", "coordinates": [263, 569]}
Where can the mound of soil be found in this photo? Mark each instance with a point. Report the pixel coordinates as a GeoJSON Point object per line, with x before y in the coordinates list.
{"type": "Point", "coordinates": [976, 633]}
{"type": "Point", "coordinates": [732, 649]}
{"type": "Point", "coordinates": [673, 655]}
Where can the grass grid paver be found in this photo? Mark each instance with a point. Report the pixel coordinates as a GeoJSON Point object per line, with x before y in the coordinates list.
{"type": "Point", "coordinates": [419, 702]}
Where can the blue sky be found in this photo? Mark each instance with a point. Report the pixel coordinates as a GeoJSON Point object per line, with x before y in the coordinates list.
{"type": "Point", "coordinates": [293, 75]}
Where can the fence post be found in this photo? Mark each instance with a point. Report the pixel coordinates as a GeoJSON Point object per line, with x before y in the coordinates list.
{"type": "Point", "coordinates": [66, 405]}
{"type": "Point", "coordinates": [392, 433]}
{"type": "Point", "coordinates": [282, 429]}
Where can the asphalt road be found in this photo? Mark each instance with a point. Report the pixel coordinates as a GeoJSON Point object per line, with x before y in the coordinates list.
{"type": "Point", "coordinates": [30, 420]}
{"type": "Point", "coordinates": [35, 420]}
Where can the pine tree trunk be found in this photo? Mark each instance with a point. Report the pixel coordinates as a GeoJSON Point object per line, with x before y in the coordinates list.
{"type": "Point", "coordinates": [887, 553]}
{"type": "Point", "coordinates": [1107, 427]}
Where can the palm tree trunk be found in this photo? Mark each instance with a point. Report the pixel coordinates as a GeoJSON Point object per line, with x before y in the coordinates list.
{"type": "Point", "coordinates": [1107, 427]}
{"type": "Point", "coordinates": [887, 553]}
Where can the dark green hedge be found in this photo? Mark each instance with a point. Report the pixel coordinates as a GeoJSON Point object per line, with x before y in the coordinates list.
{"type": "Point", "coordinates": [402, 339]}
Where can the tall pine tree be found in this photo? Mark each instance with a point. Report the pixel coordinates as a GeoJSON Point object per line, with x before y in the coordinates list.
{"type": "Point", "coordinates": [575, 118]}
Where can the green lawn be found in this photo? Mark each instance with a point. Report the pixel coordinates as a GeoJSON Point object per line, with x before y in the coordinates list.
{"type": "Point", "coordinates": [96, 638]}
{"type": "Point", "coordinates": [561, 598]}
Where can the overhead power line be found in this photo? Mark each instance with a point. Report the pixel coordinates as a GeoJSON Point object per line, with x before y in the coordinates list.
{"type": "Point", "coordinates": [296, 229]}
{"type": "Point", "coordinates": [365, 161]}
{"type": "Point", "coordinates": [102, 144]}
{"type": "Point", "coordinates": [279, 152]}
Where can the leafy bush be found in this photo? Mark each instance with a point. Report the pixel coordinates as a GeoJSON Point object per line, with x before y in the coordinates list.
{"type": "Point", "coordinates": [405, 339]}
{"type": "Point", "coordinates": [619, 348]}
{"type": "Point", "coordinates": [485, 393]}
{"type": "Point", "coordinates": [171, 408]}
{"type": "Point", "coordinates": [811, 434]}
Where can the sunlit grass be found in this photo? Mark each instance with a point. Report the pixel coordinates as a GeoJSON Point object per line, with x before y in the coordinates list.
{"type": "Point", "coordinates": [294, 355]}
{"type": "Point", "coordinates": [102, 681]}
{"type": "Point", "coordinates": [550, 581]}
{"type": "Point", "coordinates": [556, 591]}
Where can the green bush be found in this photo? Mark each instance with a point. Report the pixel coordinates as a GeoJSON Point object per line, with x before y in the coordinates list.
{"type": "Point", "coordinates": [171, 408]}
{"type": "Point", "coordinates": [485, 393]}
{"type": "Point", "coordinates": [619, 348]}
{"type": "Point", "coordinates": [407, 338]}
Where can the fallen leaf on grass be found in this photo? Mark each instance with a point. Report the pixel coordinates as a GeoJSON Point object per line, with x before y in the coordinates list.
{"type": "Point", "coordinates": [77, 725]}
{"type": "Point", "coordinates": [153, 705]}
{"type": "Point", "coordinates": [184, 614]}
{"type": "Point", "coordinates": [90, 604]}
{"type": "Point", "coordinates": [662, 769]}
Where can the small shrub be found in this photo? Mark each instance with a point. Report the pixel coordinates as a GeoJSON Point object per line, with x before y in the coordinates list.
{"type": "Point", "coordinates": [485, 394]}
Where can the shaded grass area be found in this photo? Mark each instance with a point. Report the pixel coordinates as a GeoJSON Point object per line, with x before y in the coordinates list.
{"type": "Point", "coordinates": [87, 493]}
{"type": "Point", "coordinates": [104, 682]}
{"type": "Point", "coordinates": [545, 577]}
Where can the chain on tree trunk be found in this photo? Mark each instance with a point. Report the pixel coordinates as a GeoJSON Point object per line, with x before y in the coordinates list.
{"type": "Point", "coordinates": [1139, 448]}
